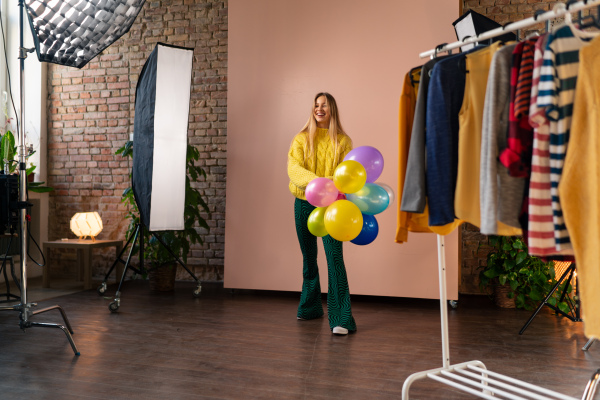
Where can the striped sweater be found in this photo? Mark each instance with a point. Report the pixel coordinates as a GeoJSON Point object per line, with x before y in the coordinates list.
{"type": "Point", "coordinates": [540, 225]}
{"type": "Point", "coordinates": [558, 78]}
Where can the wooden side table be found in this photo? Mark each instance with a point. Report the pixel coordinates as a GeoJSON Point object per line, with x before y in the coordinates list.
{"type": "Point", "coordinates": [84, 257]}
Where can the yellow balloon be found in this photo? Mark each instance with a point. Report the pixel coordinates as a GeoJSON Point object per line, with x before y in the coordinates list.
{"type": "Point", "coordinates": [349, 176]}
{"type": "Point", "coordinates": [316, 223]}
{"type": "Point", "coordinates": [343, 220]}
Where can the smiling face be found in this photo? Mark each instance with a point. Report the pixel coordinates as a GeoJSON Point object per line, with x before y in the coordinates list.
{"type": "Point", "coordinates": [322, 112]}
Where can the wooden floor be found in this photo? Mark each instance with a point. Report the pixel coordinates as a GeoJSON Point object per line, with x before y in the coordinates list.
{"type": "Point", "coordinates": [249, 345]}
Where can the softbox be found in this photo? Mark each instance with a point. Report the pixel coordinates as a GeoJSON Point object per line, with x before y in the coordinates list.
{"type": "Point", "coordinates": [162, 105]}
{"type": "Point", "coordinates": [72, 32]}
{"type": "Point", "coordinates": [471, 24]}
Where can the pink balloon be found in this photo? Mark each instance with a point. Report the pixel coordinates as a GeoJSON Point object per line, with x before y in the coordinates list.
{"type": "Point", "coordinates": [321, 192]}
{"type": "Point", "coordinates": [341, 196]}
{"type": "Point", "coordinates": [370, 158]}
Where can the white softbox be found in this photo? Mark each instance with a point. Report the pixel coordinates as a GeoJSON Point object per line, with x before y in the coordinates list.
{"type": "Point", "coordinates": [162, 105]}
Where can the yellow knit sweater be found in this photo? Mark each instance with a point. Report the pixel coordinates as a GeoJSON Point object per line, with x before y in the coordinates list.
{"type": "Point", "coordinates": [302, 169]}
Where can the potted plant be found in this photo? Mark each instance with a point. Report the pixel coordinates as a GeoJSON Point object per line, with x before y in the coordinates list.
{"type": "Point", "coordinates": [162, 265]}
{"type": "Point", "coordinates": [525, 279]}
{"type": "Point", "coordinates": [8, 152]}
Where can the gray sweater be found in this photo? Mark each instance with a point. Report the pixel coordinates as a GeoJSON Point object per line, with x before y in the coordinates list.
{"type": "Point", "coordinates": [500, 194]}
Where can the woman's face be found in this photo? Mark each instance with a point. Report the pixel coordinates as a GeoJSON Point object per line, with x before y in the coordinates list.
{"type": "Point", "coordinates": [322, 113]}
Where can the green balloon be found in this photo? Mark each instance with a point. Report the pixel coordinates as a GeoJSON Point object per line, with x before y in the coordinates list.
{"type": "Point", "coordinates": [316, 222]}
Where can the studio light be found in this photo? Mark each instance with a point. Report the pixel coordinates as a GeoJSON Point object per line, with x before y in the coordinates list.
{"type": "Point", "coordinates": [72, 32]}
{"type": "Point", "coordinates": [162, 106]}
{"type": "Point", "coordinates": [471, 24]}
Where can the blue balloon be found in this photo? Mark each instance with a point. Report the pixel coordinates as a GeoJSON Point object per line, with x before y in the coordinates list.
{"type": "Point", "coordinates": [369, 231]}
{"type": "Point", "coordinates": [371, 199]}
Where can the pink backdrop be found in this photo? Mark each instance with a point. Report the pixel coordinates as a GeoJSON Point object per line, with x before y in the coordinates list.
{"type": "Point", "coordinates": [282, 52]}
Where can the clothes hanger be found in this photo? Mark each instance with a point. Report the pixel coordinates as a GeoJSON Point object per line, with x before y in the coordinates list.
{"type": "Point", "coordinates": [413, 81]}
{"type": "Point", "coordinates": [589, 21]}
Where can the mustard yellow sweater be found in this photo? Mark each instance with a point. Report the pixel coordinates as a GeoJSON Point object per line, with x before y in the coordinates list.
{"type": "Point", "coordinates": [321, 164]}
{"type": "Point", "coordinates": [579, 187]}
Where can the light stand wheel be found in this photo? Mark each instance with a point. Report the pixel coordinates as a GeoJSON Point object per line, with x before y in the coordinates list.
{"type": "Point", "coordinates": [102, 288]}
{"type": "Point", "coordinates": [113, 307]}
{"type": "Point", "coordinates": [198, 290]}
{"type": "Point", "coordinates": [453, 304]}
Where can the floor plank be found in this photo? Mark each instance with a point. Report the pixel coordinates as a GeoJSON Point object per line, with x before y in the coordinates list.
{"type": "Point", "coordinates": [249, 345]}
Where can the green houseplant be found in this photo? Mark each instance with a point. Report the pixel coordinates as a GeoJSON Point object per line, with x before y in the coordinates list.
{"type": "Point", "coordinates": [8, 152]}
{"type": "Point", "coordinates": [179, 242]}
{"type": "Point", "coordinates": [529, 279]}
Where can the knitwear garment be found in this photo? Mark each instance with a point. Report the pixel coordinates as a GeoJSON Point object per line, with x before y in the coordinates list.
{"type": "Point", "coordinates": [407, 221]}
{"type": "Point", "coordinates": [558, 79]}
{"type": "Point", "coordinates": [579, 188]}
{"type": "Point", "coordinates": [501, 195]}
{"type": "Point", "coordinates": [302, 169]}
{"type": "Point", "coordinates": [540, 227]}
{"type": "Point", "coordinates": [446, 90]}
{"type": "Point", "coordinates": [414, 196]}
{"type": "Point", "coordinates": [466, 199]}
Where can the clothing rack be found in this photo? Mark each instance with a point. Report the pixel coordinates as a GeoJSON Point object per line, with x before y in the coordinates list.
{"type": "Point", "coordinates": [560, 10]}
{"type": "Point", "coordinates": [473, 377]}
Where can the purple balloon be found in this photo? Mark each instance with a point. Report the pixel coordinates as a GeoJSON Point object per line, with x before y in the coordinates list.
{"type": "Point", "coordinates": [370, 158]}
{"type": "Point", "coordinates": [321, 192]}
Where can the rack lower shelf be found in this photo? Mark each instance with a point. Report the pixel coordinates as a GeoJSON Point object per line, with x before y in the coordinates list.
{"type": "Point", "coordinates": [473, 377]}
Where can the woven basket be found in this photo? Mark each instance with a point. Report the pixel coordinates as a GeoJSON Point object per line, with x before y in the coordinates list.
{"type": "Point", "coordinates": [501, 297]}
{"type": "Point", "coordinates": [162, 279]}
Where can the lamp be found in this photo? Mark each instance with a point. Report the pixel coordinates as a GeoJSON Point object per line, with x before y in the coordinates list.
{"type": "Point", "coordinates": [86, 224]}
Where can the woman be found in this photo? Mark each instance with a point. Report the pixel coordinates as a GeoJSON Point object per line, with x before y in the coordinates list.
{"type": "Point", "coordinates": [315, 152]}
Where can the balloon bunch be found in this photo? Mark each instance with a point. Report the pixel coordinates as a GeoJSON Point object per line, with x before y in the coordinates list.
{"type": "Point", "coordinates": [347, 204]}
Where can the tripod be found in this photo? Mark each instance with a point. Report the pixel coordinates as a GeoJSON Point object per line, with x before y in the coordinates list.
{"type": "Point", "coordinates": [25, 308]}
{"type": "Point", "coordinates": [138, 235]}
{"type": "Point", "coordinates": [574, 314]}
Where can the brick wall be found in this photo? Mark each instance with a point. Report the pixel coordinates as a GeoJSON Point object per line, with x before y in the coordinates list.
{"type": "Point", "coordinates": [91, 115]}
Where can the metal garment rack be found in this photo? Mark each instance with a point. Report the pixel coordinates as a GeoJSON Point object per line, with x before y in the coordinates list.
{"type": "Point", "coordinates": [473, 377]}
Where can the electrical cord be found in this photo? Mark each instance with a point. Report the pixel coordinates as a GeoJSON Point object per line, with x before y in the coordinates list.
{"type": "Point", "coordinates": [8, 73]}
{"type": "Point", "coordinates": [29, 236]}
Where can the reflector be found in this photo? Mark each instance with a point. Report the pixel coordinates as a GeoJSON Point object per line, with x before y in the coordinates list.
{"type": "Point", "coordinates": [73, 32]}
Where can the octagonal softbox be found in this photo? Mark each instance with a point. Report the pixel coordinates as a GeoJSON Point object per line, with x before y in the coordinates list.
{"type": "Point", "coordinates": [72, 32]}
{"type": "Point", "coordinates": [162, 105]}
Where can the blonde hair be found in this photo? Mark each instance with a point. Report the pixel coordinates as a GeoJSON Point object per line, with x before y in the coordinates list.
{"type": "Point", "coordinates": [335, 126]}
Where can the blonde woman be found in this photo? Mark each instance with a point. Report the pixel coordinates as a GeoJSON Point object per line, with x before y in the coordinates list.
{"type": "Point", "coordinates": [315, 152]}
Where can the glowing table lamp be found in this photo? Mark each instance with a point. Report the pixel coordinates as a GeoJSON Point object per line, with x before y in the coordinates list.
{"type": "Point", "coordinates": [86, 224]}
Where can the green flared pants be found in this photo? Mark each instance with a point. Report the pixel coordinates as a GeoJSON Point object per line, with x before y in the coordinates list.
{"type": "Point", "coordinates": [338, 294]}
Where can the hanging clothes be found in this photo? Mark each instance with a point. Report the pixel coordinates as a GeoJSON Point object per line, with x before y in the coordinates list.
{"type": "Point", "coordinates": [579, 188]}
{"type": "Point", "coordinates": [408, 99]}
{"type": "Point", "coordinates": [446, 92]}
{"type": "Point", "coordinates": [517, 154]}
{"type": "Point", "coordinates": [414, 192]}
{"type": "Point", "coordinates": [540, 226]}
{"type": "Point", "coordinates": [501, 195]}
{"type": "Point", "coordinates": [466, 200]}
{"type": "Point", "coordinates": [558, 79]}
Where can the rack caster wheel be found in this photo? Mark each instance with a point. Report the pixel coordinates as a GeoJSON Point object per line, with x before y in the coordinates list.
{"type": "Point", "coordinates": [198, 291]}
{"type": "Point", "coordinates": [453, 304]}
{"type": "Point", "coordinates": [113, 307]}
{"type": "Point", "coordinates": [101, 289]}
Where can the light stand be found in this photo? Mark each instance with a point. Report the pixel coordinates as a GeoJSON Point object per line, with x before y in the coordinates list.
{"type": "Point", "coordinates": [138, 235]}
{"type": "Point", "coordinates": [25, 308]}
